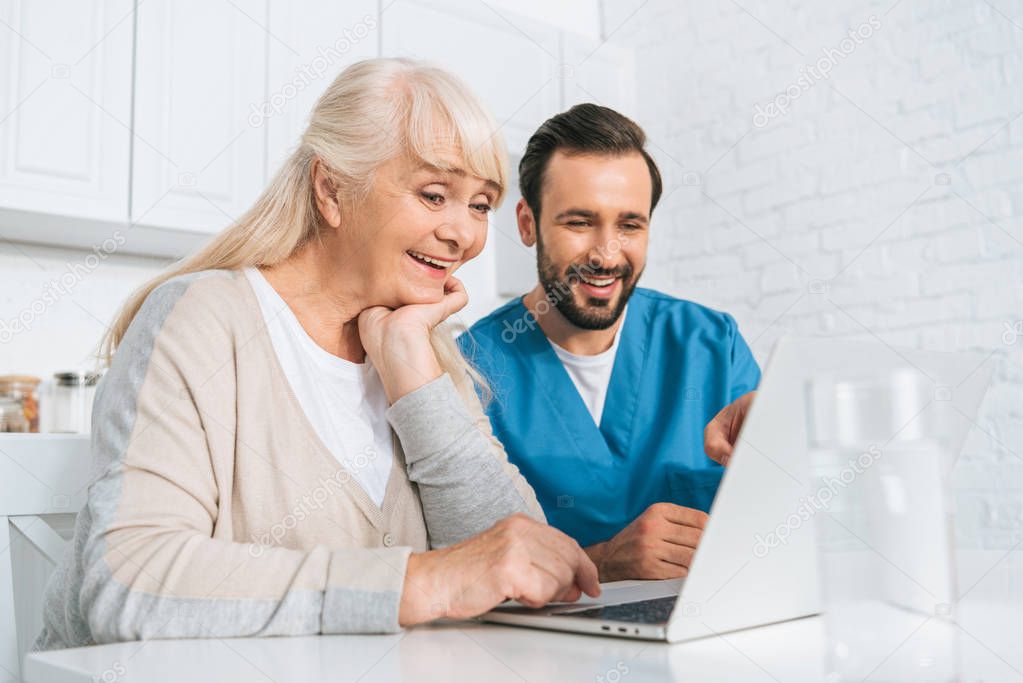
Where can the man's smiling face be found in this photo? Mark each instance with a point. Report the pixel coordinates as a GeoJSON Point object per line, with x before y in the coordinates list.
{"type": "Point", "coordinates": [592, 234]}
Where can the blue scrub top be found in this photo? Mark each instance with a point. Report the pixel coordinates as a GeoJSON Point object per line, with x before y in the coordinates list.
{"type": "Point", "coordinates": [678, 364]}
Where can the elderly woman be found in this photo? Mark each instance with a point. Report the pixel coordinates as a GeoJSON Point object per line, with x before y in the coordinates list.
{"type": "Point", "coordinates": [287, 440]}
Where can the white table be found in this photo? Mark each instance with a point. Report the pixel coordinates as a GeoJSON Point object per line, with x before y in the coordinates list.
{"type": "Point", "coordinates": [470, 651]}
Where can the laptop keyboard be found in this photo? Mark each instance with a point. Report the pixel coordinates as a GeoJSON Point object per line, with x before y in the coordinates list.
{"type": "Point", "coordinates": [654, 611]}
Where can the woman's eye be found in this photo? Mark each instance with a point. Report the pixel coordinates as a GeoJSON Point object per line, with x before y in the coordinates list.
{"type": "Point", "coordinates": [432, 197]}
{"type": "Point", "coordinates": [481, 208]}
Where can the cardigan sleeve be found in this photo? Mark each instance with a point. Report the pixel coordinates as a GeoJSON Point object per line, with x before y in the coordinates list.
{"type": "Point", "coordinates": [465, 481]}
{"type": "Point", "coordinates": [144, 562]}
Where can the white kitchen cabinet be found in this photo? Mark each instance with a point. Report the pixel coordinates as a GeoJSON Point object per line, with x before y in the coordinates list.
{"type": "Point", "coordinates": [313, 42]}
{"type": "Point", "coordinates": [65, 111]}
{"type": "Point", "coordinates": [198, 160]}
{"type": "Point", "coordinates": [511, 62]}
{"type": "Point", "coordinates": [163, 120]}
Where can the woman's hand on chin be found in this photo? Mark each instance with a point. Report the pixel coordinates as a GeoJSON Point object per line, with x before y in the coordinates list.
{"type": "Point", "coordinates": [398, 341]}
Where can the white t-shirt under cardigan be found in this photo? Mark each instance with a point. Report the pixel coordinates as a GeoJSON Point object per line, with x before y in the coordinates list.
{"type": "Point", "coordinates": [344, 401]}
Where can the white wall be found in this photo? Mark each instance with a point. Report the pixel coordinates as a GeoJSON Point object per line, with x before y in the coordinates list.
{"type": "Point", "coordinates": [55, 304]}
{"type": "Point", "coordinates": [885, 204]}
{"type": "Point", "coordinates": [578, 16]}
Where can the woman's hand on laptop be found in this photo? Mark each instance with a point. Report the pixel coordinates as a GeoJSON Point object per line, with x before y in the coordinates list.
{"type": "Point", "coordinates": [721, 433]}
{"type": "Point", "coordinates": [659, 544]}
{"type": "Point", "coordinates": [516, 559]}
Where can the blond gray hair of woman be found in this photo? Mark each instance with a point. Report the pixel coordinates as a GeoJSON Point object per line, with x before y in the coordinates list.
{"type": "Point", "coordinates": [374, 111]}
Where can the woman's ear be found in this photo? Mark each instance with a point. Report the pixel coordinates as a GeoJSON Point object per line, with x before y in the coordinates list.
{"type": "Point", "coordinates": [326, 194]}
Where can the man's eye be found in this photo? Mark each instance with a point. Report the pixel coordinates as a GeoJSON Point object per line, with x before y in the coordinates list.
{"type": "Point", "coordinates": [630, 226]}
{"type": "Point", "coordinates": [578, 224]}
{"type": "Point", "coordinates": [432, 197]}
{"type": "Point", "coordinates": [482, 208]}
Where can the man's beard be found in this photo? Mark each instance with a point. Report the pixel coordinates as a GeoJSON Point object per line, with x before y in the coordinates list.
{"type": "Point", "coordinates": [596, 313]}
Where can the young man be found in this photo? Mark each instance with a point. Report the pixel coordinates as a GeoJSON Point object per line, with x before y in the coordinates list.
{"type": "Point", "coordinates": [602, 390]}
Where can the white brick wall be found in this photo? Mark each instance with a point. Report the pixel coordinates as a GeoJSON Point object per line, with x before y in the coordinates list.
{"type": "Point", "coordinates": [898, 180]}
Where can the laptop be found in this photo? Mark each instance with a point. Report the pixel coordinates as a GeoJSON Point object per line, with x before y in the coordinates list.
{"type": "Point", "coordinates": [743, 573]}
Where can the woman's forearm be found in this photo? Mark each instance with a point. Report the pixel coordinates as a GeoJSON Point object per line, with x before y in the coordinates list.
{"type": "Point", "coordinates": [165, 583]}
{"type": "Point", "coordinates": [463, 486]}
{"type": "Point", "coordinates": [138, 582]}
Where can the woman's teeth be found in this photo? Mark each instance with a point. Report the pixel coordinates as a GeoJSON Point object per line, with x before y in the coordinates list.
{"type": "Point", "coordinates": [436, 263]}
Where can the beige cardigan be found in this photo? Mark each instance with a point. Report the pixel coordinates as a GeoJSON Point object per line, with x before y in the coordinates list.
{"type": "Point", "coordinates": [215, 509]}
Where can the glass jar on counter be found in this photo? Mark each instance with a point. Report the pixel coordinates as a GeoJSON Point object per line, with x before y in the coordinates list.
{"type": "Point", "coordinates": [19, 393]}
{"type": "Point", "coordinates": [71, 401]}
{"type": "Point", "coordinates": [12, 419]}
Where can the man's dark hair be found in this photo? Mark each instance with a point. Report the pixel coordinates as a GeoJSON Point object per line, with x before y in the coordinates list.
{"type": "Point", "coordinates": [583, 129]}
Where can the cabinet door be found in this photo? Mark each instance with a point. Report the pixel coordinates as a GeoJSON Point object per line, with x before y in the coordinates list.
{"type": "Point", "coordinates": [511, 63]}
{"type": "Point", "coordinates": [65, 107]}
{"type": "Point", "coordinates": [199, 160]}
{"type": "Point", "coordinates": [314, 42]}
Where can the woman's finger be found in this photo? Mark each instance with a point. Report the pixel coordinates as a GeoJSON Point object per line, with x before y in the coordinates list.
{"type": "Point", "coordinates": [583, 569]}
{"type": "Point", "coordinates": [538, 588]}
{"type": "Point", "coordinates": [548, 558]}
{"type": "Point", "coordinates": [455, 296]}
{"type": "Point", "coordinates": [554, 553]}
{"type": "Point", "coordinates": [570, 594]}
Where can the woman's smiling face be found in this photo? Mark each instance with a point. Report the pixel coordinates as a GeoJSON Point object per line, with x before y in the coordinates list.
{"type": "Point", "coordinates": [416, 226]}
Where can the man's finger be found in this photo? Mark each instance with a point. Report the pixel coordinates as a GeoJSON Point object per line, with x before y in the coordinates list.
{"type": "Point", "coordinates": [676, 554]}
{"type": "Point", "coordinates": [720, 434]}
{"type": "Point", "coordinates": [684, 535]}
{"type": "Point", "coordinates": [715, 440]}
{"type": "Point", "coordinates": [718, 449]}
{"type": "Point", "coordinates": [688, 517]}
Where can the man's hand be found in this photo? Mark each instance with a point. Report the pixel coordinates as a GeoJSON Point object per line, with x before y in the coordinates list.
{"type": "Point", "coordinates": [659, 544]}
{"type": "Point", "coordinates": [721, 433]}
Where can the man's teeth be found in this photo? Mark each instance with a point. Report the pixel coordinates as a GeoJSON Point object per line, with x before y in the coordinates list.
{"type": "Point", "coordinates": [597, 283]}
{"type": "Point", "coordinates": [432, 261]}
